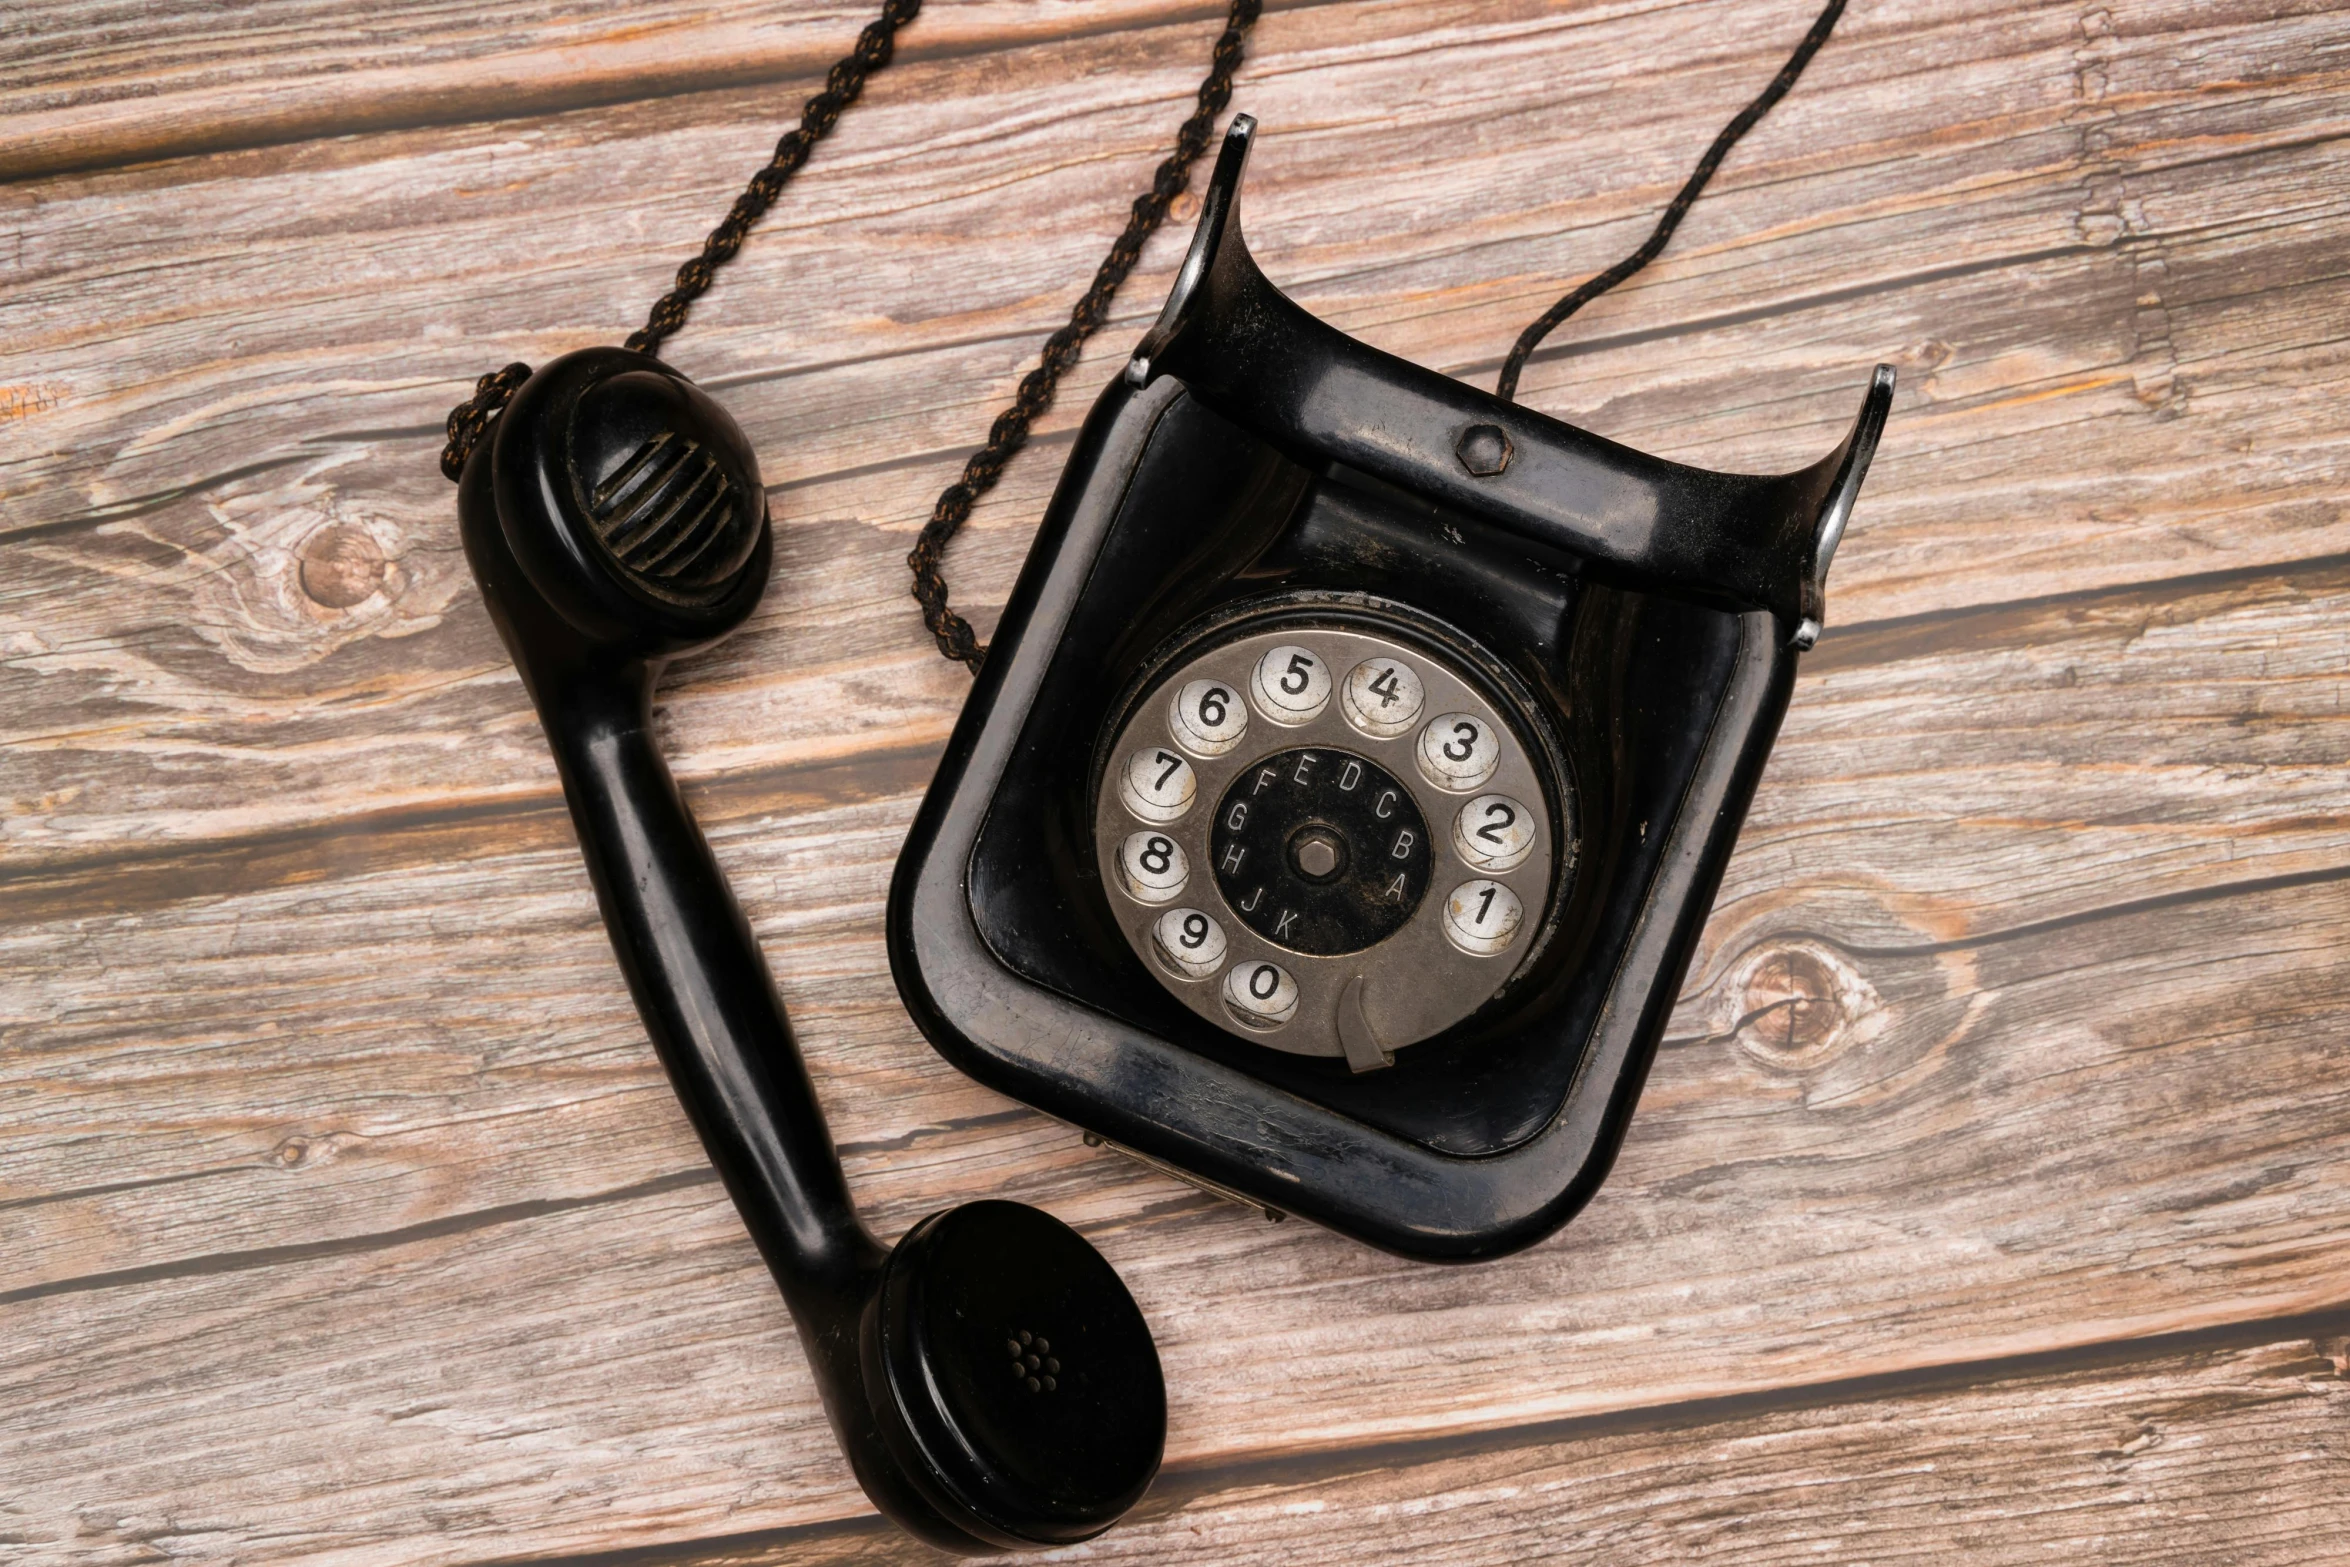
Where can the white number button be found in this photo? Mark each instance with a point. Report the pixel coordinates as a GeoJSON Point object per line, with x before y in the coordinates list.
{"type": "Point", "coordinates": [1459, 752]}
{"type": "Point", "coordinates": [1158, 786]}
{"type": "Point", "coordinates": [1494, 833]}
{"type": "Point", "coordinates": [1481, 916]}
{"type": "Point", "coordinates": [1262, 993]}
{"type": "Point", "coordinates": [1382, 698]}
{"type": "Point", "coordinates": [1207, 718]}
{"type": "Point", "coordinates": [1153, 867]}
{"type": "Point", "coordinates": [1191, 942]}
{"type": "Point", "coordinates": [1291, 686]}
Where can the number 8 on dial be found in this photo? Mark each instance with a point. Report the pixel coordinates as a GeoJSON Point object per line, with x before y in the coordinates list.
{"type": "Point", "coordinates": [1154, 867]}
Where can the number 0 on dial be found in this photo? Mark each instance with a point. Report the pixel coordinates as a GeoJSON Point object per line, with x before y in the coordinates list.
{"type": "Point", "coordinates": [1262, 993]}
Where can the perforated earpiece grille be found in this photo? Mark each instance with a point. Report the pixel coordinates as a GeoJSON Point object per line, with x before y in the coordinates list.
{"type": "Point", "coordinates": [670, 517]}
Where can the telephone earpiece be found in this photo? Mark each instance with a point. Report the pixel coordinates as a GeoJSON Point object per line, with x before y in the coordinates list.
{"type": "Point", "coordinates": [991, 1380]}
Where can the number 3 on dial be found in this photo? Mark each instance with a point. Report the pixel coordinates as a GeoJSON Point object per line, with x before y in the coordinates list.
{"type": "Point", "coordinates": [1459, 752]}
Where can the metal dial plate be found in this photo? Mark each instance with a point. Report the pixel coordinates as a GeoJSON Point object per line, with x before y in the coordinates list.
{"type": "Point", "coordinates": [1326, 841]}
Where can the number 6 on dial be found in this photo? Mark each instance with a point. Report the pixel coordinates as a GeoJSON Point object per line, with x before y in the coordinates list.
{"type": "Point", "coordinates": [1207, 718]}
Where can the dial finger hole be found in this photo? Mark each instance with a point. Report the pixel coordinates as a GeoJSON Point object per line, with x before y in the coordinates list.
{"type": "Point", "coordinates": [1158, 785]}
{"type": "Point", "coordinates": [1493, 833]}
{"type": "Point", "coordinates": [1261, 994]}
{"type": "Point", "coordinates": [1291, 685]}
{"type": "Point", "coordinates": [1207, 718]}
{"type": "Point", "coordinates": [1191, 942]}
{"type": "Point", "coordinates": [1382, 697]}
{"type": "Point", "coordinates": [1153, 867]}
{"type": "Point", "coordinates": [1459, 752]}
{"type": "Point", "coordinates": [1482, 917]}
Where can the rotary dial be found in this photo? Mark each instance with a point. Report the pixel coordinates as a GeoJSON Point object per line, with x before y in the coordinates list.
{"type": "Point", "coordinates": [1327, 841]}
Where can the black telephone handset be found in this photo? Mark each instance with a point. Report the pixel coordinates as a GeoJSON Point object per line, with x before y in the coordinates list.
{"type": "Point", "coordinates": [990, 1379]}
{"type": "Point", "coordinates": [1353, 769]}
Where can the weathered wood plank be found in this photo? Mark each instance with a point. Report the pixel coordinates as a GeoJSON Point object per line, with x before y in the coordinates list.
{"type": "Point", "coordinates": [2125, 1123]}
{"type": "Point", "coordinates": [91, 85]}
{"type": "Point", "coordinates": [2185, 1455]}
{"type": "Point", "coordinates": [172, 665]}
{"type": "Point", "coordinates": [347, 1216]}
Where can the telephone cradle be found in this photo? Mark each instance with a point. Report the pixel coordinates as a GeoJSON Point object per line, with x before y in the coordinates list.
{"type": "Point", "coordinates": [1347, 785]}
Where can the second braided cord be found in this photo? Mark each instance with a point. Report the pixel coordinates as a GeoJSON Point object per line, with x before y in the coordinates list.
{"type": "Point", "coordinates": [1009, 433]}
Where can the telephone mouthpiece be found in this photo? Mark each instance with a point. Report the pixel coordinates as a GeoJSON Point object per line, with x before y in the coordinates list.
{"type": "Point", "coordinates": [1014, 1376]}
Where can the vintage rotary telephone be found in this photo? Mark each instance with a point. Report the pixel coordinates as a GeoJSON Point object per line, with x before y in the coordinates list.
{"type": "Point", "coordinates": [1356, 762]}
{"type": "Point", "coordinates": [1352, 771]}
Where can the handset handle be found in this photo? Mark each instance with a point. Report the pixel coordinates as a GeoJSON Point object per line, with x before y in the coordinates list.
{"type": "Point", "coordinates": [701, 984]}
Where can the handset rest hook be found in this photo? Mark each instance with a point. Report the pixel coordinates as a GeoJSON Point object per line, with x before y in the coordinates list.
{"type": "Point", "coordinates": [1250, 352]}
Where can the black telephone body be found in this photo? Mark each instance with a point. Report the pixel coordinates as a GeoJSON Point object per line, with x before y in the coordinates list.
{"type": "Point", "coordinates": [1353, 769]}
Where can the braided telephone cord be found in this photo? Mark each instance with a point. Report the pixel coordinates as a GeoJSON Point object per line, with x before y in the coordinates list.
{"type": "Point", "coordinates": [1506, 385]}
{"type": "Point", "coordinates": [471, 418]}
{"type": "Point", "coordinates": [1035, 395]}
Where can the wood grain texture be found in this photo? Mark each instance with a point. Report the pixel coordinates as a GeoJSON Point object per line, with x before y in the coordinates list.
{"type": "Point", "coordinates": [2190, 1452]}
{"type": "Point", "coordinates": [346, 1216]}
{"type": "Point", "coordinates": [93, 85]}
{"type": "Point", "coordinates": [287, 393]}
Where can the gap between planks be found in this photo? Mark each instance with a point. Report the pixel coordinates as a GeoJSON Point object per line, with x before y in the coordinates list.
{"type": "Point", "coordinates": [53, 145]}
{"type": "Point", "coordinates": [121, 880]}
{"type": "Point", "coordinates": [1183, 1486]}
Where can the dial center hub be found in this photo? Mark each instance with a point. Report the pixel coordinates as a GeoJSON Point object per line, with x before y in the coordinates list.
{"type": "Point", "coordinates": [1317, 853]}
{"type": "Point", "coordinates": [1320, 850]}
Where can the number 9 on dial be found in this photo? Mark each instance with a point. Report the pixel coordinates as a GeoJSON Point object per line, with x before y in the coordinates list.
{"type": "Point", "coordinates": [1190, 941]}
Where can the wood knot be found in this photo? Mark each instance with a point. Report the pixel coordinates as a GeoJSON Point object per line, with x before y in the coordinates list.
{"type": "Point", "coordinates": [305, 1152]}
{"type": "Point", "coordinates": [1796, 1005]}
{"type": "Point", "coordinates": [341, 566]}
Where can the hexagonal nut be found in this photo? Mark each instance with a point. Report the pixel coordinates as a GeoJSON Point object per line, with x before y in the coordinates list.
{"type": "Point", "coordinates": [1485, 450]}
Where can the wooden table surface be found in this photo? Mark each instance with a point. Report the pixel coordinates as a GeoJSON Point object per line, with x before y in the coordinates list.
{"type": "Point", "coordinates": [1990, 1199]}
